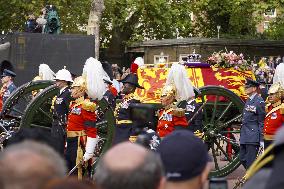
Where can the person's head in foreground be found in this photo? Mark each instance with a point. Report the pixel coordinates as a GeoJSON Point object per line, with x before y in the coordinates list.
{"type": "Point", "coordinates": [129, 166]}
{"type": "Point", "coordinates": [185, 160]}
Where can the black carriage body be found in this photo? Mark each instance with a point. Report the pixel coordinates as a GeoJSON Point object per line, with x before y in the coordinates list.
{"type": "Point", "coordinates": [29, 50]}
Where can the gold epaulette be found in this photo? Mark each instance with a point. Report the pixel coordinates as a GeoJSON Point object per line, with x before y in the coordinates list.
{"type": "Point", "coordinates": [282, 109]}
{"type": "Point", "coordinates": [89, 106]}
{"type": "Point", "coordinates": [178, 112]}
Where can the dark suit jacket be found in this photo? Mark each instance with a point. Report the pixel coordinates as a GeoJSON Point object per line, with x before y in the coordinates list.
{"type": "Point", "coordinates": [253, 120]}
{"type": "Point", "coordinates": [61, 105]}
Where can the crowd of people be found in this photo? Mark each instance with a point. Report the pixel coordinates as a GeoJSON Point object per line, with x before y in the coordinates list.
{"type": "Point", "coordinates": [141, 156]}
{"type": "Point", "coordinates": [264, 69]}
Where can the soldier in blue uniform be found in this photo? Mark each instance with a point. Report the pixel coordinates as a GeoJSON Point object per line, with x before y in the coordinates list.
{"type": "Point", "coordinates": [60, 107]}
{"type": "Point", "coordinates": [111, 93]}
{"type": "Point", "coordinates": [124, 127]}
{"type": "Point", "coordinates": [8, 86]}
{"type": "Point", "coordinates": [252, 124]}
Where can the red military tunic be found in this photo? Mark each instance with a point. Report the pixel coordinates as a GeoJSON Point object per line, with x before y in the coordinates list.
{"type": "Point", "coordinates": [273, 121]}
{"type": "Point", "coordinates": [82, 117]}
{"type": "Point", "coordinates": [168, 120]}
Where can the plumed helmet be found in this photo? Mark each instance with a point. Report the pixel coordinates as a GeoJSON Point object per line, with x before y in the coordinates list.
{"type": "Point", "coordinates": [64, 75]}
{"type": "Point", "coordinates": [178, 77]}
{"type": "Point", "coordinates": [81, 83]}
{"type": "Point", "coordinates": [169, 90]}
{"type": "Point", "coordinates": [276, 88]}
{"type": "Point", "coordinates": [279, 75]}
{"type": "Point", "coordinates": [94, 74]}
{"type": "Point", "coordinates": [45, 72]}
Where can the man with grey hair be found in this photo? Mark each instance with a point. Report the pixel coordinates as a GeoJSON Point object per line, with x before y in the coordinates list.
{"type": "Point", "coordinates": [29, 165]}
{"type": "Point", "coordinates": [128, 166]}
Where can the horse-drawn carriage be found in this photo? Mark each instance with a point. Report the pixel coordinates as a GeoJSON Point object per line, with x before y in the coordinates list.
{"type": "Point", "coordinates": [219, 91]}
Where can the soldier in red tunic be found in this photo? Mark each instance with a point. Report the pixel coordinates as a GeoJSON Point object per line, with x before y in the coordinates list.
{"type": "Point", "coordinates": [274, 118]}
{"type": "Point", "coordinates": [81, 131]}
{"type": "Point", "coordinates": [81, 126]}
{"type": "Point", "coordinates": [170, 117]}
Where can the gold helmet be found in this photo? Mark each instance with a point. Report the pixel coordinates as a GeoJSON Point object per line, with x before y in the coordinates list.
{"type": "Point", "coordinates": [276, 89]}
{"type": "Point", "coordinates": [169, 90]}
{"type": "Point", "coordinates": [81, 83]}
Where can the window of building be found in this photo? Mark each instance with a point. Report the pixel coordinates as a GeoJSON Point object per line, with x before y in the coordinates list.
{"type": "Point", "coordinates": [270, 12]}
{"type": "Point", "coordinates": [266, 25]}
{"type": "Point", "coordinates": [161, 58]}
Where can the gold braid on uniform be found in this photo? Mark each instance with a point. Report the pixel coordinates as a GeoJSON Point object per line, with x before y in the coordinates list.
{"type": "Point", "coordinates": [89, 106]}
{"type": "Point", "coordinates": [80, 151]}
{"type": "Point", "coordinates": [52, 103]}
{"type": "Point", "coordinates": [282, 109]}
{"type": "Point", "coordinates": [125, 100]}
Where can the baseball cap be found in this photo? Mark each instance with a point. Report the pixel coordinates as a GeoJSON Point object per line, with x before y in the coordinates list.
{"type": "Point", "coordinates": [184, 156]}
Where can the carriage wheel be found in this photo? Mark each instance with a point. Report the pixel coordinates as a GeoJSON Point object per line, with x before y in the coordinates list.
{"type": "Point", "coordinates": [222, 115]}
{"type": "Point", "coordinates": [16, 104]}
{"type": "Point", "coordinates": [38, 114]}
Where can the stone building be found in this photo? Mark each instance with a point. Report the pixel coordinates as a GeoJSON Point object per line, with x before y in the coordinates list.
{"type": "Point", "coordinates": [173, 50]}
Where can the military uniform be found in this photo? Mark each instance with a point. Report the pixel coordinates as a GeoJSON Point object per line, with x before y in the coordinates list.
{"type": "Point", "coordinates": [7, 88]}
{"type": "Point", "coordinates": [81, 124]}
{"type": "Point", "coordinates": [251, 130]}
{"type": "Point", "coordinates": [110, 95]}
{"type": "Point", "coordinates": [191, 107]}
{"type": "Point", "coordinates": [6, 92]}
{"type": "Point", "coordinates": [124, 127]}
{"type": "Point", "coordinates": [274, 119]}
{"type": "Point", "coordinates": [60, 112]}
{"type": "Point", "coordinates": [169, 120]}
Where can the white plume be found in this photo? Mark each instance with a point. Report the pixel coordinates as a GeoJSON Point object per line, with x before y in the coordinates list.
{"type": "Point", "coordinates": [178, 76]}
{"type": "Point", "coordinates": [139, 61]}
{"type": "Point", "coordinates": [94, 74]}
{"type": "Point", "coordinates": [279, 74]}
{"type": "Point", "coordinates": [45, 72]}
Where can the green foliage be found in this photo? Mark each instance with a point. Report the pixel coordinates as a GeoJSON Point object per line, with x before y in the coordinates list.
{"type": "Point", "coordinates": [137, 20]}
{"type": "Point", "coordinates": [72, 13]}
{"type": "Point", "coordinates": [236, 18]}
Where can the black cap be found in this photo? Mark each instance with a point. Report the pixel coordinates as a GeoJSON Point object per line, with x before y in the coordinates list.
{"type": "Point", "coordinates": [184, 156]}
{"type": "Point", "coordinates": [251, 83]}
{"type": "Point", "coordinates": [8, 73]}
{"type": "Point", "coordinates": [132, 79]}
{"type": "Point", "coordinates": [5, 64]}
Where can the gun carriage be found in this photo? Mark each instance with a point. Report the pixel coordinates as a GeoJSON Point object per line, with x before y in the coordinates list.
{"type": "Point", "coordinates": [219, 91]}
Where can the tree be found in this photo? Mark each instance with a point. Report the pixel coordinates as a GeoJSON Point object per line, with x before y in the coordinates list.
{"type": "Point", "coordinates": [276, 28]}
{"type": "Point", "coordinates": [128, 21]}
{"type": "Point", "coordinates": [93, 28]}
{"type": "Point", "coordinates": [73, 14]}
{"type": "Point", "coordinates": [237, 18]}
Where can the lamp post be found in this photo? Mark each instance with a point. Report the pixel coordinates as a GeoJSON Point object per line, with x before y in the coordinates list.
{"type": "Point", "coordinates": [218, 28]}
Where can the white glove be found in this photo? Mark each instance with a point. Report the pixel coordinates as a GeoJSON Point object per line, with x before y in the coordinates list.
{"type": "Point", "coordinates": [90, 148]}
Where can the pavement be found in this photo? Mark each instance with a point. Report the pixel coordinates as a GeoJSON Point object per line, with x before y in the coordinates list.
{"type": "Point", "coordinates": [231, 178]}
